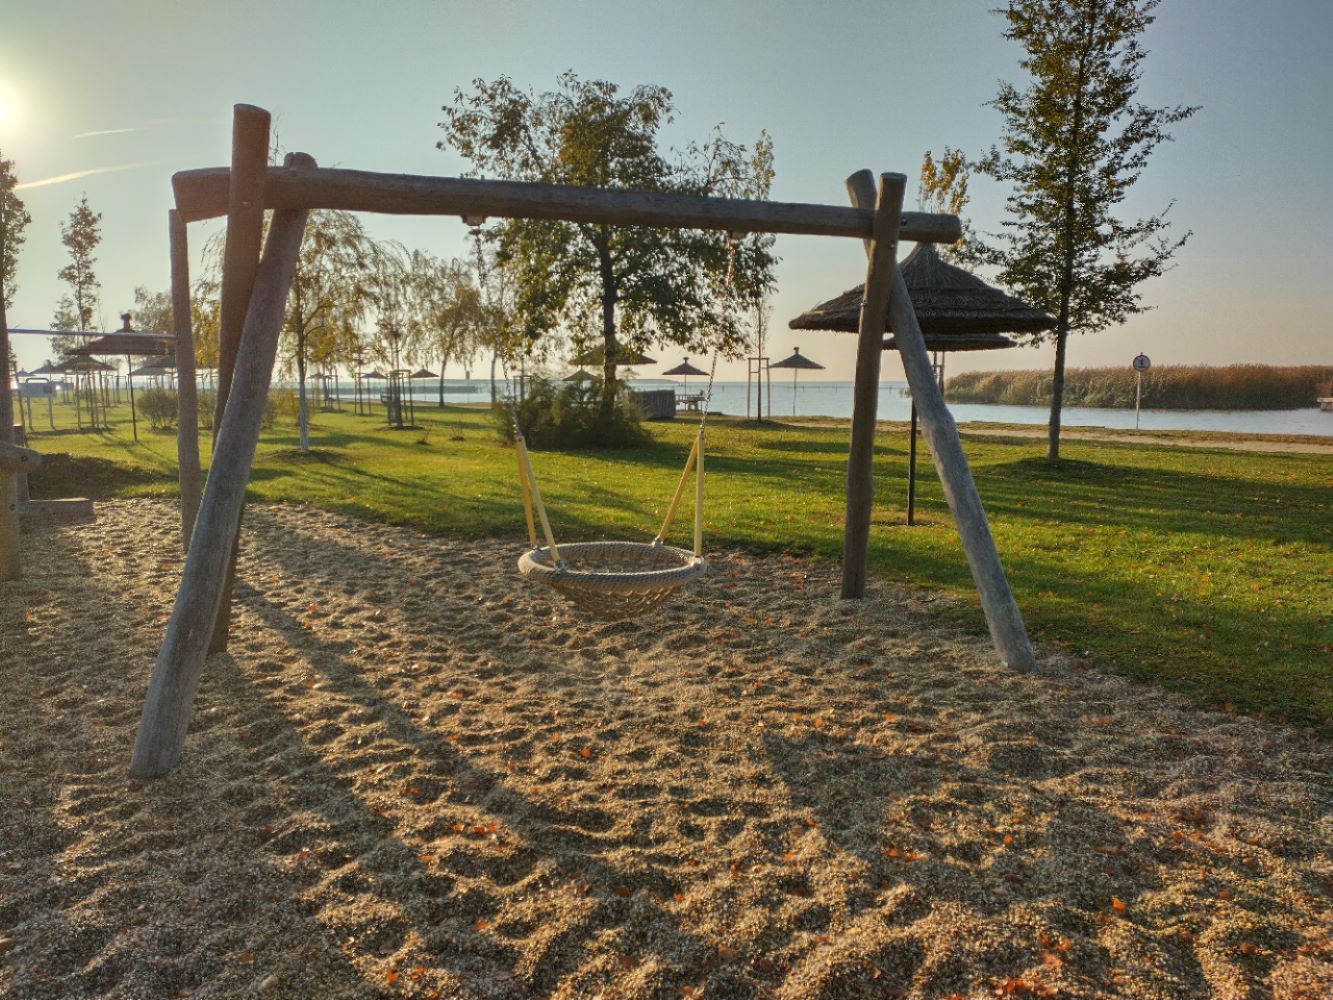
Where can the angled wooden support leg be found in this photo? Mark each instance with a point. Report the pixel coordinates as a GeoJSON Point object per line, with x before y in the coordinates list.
{"type": "Point", "coordinates": [1003, 618]}
{"type": "Point", "coordinates": [882, 251]}
{"type": "Point", "coordinates": [240, 258]}
{"type": "Point", "coordinates": [171, 690]}
{"type": "Point", "coordinates": [187, 390]}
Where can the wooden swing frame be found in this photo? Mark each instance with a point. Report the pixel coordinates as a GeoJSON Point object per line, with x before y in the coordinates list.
{"type": "Point", "coordinates": [252, 303]}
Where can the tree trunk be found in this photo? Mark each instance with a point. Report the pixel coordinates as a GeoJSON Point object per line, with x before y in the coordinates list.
{"type": "Point", "coordinates": [300, 391]}
{"type": "Point", "coordinates": [442, 361]}
{"type": "Point", "coordinates": [610, 345]}
{"type": "Point", "coordinates": [1067, 267]}
{"type": "Point", "coordinates": [1057, 393]}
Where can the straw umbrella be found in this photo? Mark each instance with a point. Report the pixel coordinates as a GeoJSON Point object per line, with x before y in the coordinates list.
{"type": "Point", "coordinates": [797, 363]}
{"type": "Point", "coordinates": [685, 370]}
{"type": "Point", "coordinates": [957, 311]}
{"type": "Point", "coordinates": [625, 359]}
{"type": "Point", "coordinates": [128, 343]}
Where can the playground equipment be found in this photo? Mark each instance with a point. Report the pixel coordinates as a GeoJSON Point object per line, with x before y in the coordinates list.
{"type": "Point", "coordinates": [253, 300]}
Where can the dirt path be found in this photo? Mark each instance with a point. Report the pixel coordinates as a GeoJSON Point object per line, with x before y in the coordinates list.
{"type": "Point", "coordinates": [1270, 443]}
{"type": "Point", "coordinates": [1230, 442]}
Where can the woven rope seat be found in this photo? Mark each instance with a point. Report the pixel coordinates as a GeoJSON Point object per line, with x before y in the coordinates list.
{"type": "Point", "coordinates": [613, 579]}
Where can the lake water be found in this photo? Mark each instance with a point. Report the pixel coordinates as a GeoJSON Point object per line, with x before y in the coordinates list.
{"type": "Point", "coordinates": [834, 399]}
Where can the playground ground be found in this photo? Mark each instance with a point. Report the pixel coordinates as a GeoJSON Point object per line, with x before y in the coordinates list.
{"type": "Point", "coordinates": [413, 776]}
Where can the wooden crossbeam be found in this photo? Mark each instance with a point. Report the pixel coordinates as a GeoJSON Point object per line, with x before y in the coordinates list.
{"type": "Point", "coordinates": [203, 194]}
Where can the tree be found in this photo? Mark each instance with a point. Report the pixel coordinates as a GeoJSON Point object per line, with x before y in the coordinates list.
{"type": "Point", "coordinates": [81, 236]}
{"type": "Point", "coordinates": [623, 286]}
{"type": "Point", "coordinates": [14, 219]}
{"type": "Point", "coordinates": [152, 311]}
{"type": "Point", "coordinates": [942, 188]}
{"type": "Point", "coordinates": [442, 312]}
{"type": "Point", "coordinates": [1075, 142]}
{"type": "Point", "coordinates": [341, 277]}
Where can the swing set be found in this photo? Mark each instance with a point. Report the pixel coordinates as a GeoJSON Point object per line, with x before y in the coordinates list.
{"type": "Point", "coordinates": [612, 578]}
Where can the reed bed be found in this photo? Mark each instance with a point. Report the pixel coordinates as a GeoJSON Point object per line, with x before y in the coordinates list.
{"type": "Point", "coordinates": [1169, 387]}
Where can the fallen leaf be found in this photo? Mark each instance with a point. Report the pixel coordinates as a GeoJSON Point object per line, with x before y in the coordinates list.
{"type": "Point", "coordinates": [1117, 904]}
{"type": "Point", "coordinates": [622, 890]}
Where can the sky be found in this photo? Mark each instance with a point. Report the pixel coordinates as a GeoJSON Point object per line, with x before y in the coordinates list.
{"type": "Point", "coordinates": [109, 99]}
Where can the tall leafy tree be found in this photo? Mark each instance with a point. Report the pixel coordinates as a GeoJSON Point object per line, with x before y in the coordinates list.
{"type": "Point", "coordinates": [14, 219]}
{"type": "Point", "coordinates": [152, 310]}
{"type": "Point", "coordinates": [942, 188]}
{"type": "Point", "coordinates": [622, 287]}
{"type": "Point", "coordinates": [443, 313]}
{"type": "Point", "coordinates": [1076, 139]}
{"type": "Point", "coordinates": [342, 277]}
{"type": "Point", "coordinates": [82, 234]}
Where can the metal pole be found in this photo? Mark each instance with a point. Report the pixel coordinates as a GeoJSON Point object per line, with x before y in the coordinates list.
{"type": "Point", "coordinates": [1138, 396]}
{"type": "Point", "coordinates": [129, 381]}
{"type": "Point", "coordinates": [911, 470]}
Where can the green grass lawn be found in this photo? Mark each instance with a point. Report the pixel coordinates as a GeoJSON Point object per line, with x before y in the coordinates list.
{"type": "Point", "coordinates": [1206, 571]}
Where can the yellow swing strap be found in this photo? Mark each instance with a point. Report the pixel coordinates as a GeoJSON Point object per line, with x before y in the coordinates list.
{"type": "Point", "coordinates": [532, 494]}
{"type": "Point", "coordinates": [696, 462]}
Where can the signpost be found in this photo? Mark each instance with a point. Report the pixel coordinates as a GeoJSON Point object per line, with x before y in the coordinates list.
{"type": "Point", "coordinates": [1141, 365]}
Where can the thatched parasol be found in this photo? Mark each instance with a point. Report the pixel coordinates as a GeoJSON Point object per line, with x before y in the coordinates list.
{"type": "Point", "coordinates": [581, 376]}
{"type": "Point", "coordinates": [423, 373]}
{"type": "Point", "coordinates": [597, 356]}
{"type": "Point", "coordinates": [798, 363]}
{"type": "Point", "coordinates": [957, 311]}
{"type": "Point", "coordinates": [129, 343]}
{"type": "Point", "coordinates": [49, 369]}
{"type": "Point", "coordinates": [952, 305]}
{"type": "Point", "coordinates": [685, 370]}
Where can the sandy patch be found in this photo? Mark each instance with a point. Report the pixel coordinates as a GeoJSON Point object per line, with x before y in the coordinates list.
{"type": "Point", "coordinates": [413, 775]}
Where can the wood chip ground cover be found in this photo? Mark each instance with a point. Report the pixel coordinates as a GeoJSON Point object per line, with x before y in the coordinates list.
{"type": "Point", "coordinates": [413, 775]}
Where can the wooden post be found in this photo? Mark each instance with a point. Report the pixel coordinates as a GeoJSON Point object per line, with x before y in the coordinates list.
{"type": "Point", "coordinates": [171, 690]}
{"type": "Point", "coordinates": [882, 251]}
{"type": "Point", "coordinates": [1003, 618]}
{"type": "Point", "coordinates": [21, 479]}
{"type": "Point", "coordinates": [187, 390]}
{"type": "Point", "coordinates": [240, 258]}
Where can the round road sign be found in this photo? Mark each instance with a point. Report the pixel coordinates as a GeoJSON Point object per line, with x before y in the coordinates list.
{"type": "Point", "coordinates": [1141, 363]}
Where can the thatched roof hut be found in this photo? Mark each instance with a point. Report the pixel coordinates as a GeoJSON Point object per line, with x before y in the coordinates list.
{"type": "Point", "coordinates": [956, 309]}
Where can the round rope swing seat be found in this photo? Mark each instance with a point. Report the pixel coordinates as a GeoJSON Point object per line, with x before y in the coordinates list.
{"type": "Point", "coordinates": [613, 580]}
{"type": "Point", "coordinates": [616, 580]}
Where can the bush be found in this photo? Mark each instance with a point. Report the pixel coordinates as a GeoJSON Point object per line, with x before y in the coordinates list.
{"type": "Point", "coordinates": [568, 416]}
{"type": "Point", "coordinates": [158, 407]}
